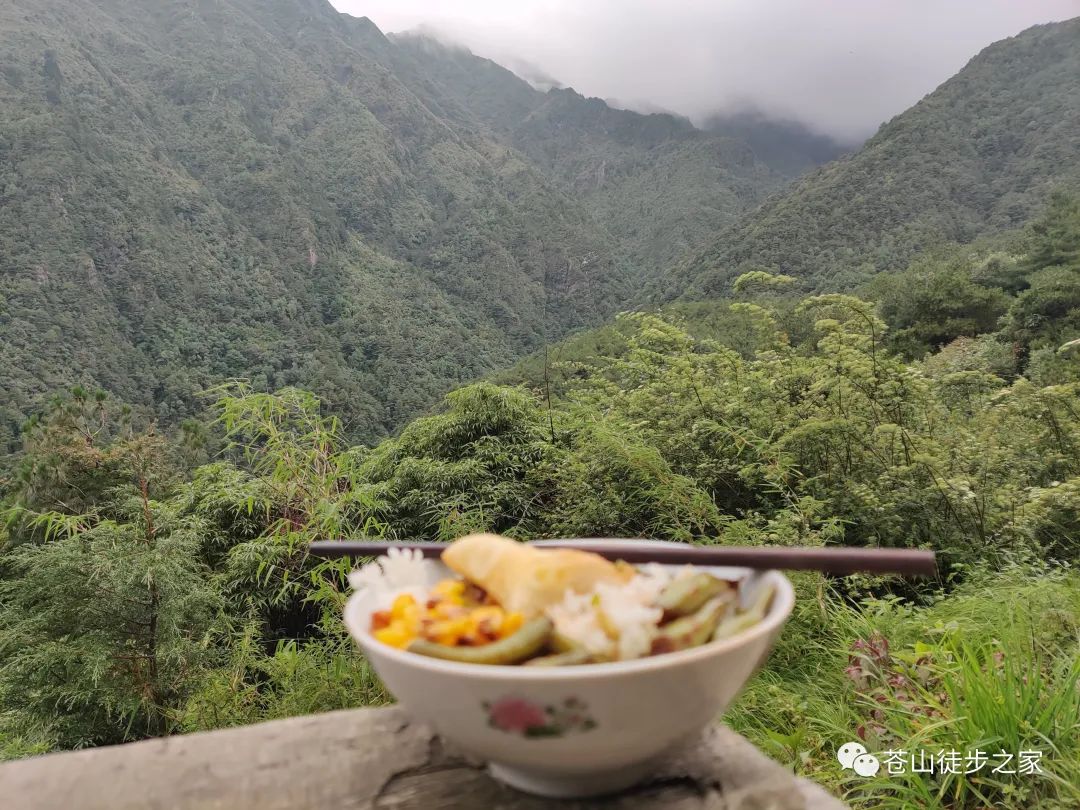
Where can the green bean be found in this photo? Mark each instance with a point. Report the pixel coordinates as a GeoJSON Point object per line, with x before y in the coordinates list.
{"type": "Point", "coordinates": [687, 594]}
{"type": "Point", "coordinates": [691, 631]}
{"type": "Point", "coordinates": [574, 657]}
{"type": "Point", "coordinates": [735, 625]}
{"type": "Point", "coordinates": [558, 643]}
{"type": "Point", "coordinates": [525, 643]}
{"type": "Point", "coordinates": [748, 618]}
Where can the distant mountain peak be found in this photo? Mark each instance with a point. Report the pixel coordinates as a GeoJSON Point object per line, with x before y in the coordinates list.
{"type": "Point", "coordinates": [980, 154]}
{"type": "Point", "coordinates": [432, 37]}
{"type": "Point", "coordinates": [787, 145]}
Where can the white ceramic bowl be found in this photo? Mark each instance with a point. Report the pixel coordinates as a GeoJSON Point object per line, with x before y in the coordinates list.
{"type": "Point", "coordinates": [580, 730]}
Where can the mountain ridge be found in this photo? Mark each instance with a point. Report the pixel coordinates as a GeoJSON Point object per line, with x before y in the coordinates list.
{"type": "Point", "coordinates": [654, 179]}
{"type": "Point", "coordinates": [280, 192]}
{"type": "Point", "coordinates": [978, 155]}
{"type": "Point", "coordinates": [250, 214]}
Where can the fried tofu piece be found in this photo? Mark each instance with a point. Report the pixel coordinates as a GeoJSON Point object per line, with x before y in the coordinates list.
{"type": "Point", "coordinates": [526, 579]}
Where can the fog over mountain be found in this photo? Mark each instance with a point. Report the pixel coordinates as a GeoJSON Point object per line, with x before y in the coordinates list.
{"type": "Point", "coordinates": [842, 71]}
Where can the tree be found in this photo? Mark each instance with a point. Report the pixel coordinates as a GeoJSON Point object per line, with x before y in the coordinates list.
{"type": "Point", "coordinates": [1056, 235]}
{"type": "Point", "coordinates": [103, 625]}
{"type": "Point", "coordinates": [935, 301]}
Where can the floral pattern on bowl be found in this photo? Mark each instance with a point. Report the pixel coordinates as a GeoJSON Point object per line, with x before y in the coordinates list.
{"type": "Point", "coordinates": [526, 718]}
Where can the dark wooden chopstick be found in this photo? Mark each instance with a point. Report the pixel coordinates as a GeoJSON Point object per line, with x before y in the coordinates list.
{"type": "Point", "coordinates": [833, 560]}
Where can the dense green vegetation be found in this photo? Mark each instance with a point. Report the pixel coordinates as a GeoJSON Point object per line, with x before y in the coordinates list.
{"type": "Point", "coordinates": [787, 146]}
{"type": "Point", "coordinates": [1003, 304]}
{"type": "Point", "coordinates": [278, 192]}
{"type": "Point", "coordinates": [979, 155]}
{"type": "Point", "coordinates": [244, 189]}
{"type": "Point", "coordinates": [658, 184]}
{"type": "Point", "coordinates": [201, 204]}
{"type": "Point", "coordinates": [147, 589]}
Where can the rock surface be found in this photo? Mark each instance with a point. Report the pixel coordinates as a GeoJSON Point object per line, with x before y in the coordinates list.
{"type": "Point", "coordinates": [370, 759]}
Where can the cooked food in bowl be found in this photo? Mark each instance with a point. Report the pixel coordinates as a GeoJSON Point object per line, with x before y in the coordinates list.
{"type": "Point", "coordinates": [569, 674]}
{"type": "Point", "coordinates": [515, 604]}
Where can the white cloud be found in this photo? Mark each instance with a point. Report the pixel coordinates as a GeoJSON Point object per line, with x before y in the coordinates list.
{"type": "Point", "coordinates": [842, 66]}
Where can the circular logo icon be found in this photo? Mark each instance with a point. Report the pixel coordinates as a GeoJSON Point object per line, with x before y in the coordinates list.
{"type": "Point", "coordinates": [848, 752]}
{"type": "Point", "coordinates": [866, 765]}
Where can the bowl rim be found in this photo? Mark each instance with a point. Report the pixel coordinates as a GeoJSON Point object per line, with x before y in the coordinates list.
{"type": "Point", "coordinates": [782, 605]}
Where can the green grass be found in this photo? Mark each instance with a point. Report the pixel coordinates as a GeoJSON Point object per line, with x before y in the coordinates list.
{"type": "Point", "coordinates": [994, 697]}
{"type": "Point", "coordinates": [992, 666]}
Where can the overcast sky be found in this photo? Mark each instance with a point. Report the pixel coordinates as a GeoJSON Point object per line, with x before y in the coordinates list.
{"type": "Point", "coordinates": [841, 66]}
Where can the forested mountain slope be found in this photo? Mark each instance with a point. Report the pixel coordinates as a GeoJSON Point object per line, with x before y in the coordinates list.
{"type": "Point", "coordinates": [788, 146]}
{"type": "Point", "coordinates": [664, 187]}
{"type": "Point", "coordinates": [276, 191]}
{"type": "Point", "coordinates": [978, 155]}
{"type": "Point", "coordinates": [240, 188]}
{"type": "Point", "coordinates": [659, 184]}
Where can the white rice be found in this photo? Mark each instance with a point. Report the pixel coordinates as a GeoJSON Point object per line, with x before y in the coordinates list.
{"type": "Point", "coordinates": [402, 570]}
{"type": "Point", "coordinates": [616, 621]}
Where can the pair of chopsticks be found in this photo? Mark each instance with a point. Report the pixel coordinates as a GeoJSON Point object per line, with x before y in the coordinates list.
{"type": "Point", "coordinates": [834, 560]}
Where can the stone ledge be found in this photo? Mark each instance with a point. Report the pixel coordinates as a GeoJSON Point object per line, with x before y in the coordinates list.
{"type": "Point", "coordinates": [369, 759]}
